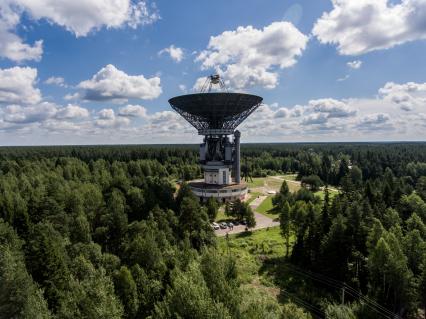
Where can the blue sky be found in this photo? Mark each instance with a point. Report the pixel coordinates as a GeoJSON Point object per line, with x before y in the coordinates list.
{"type": "Point", "coordinates": [101, 71]}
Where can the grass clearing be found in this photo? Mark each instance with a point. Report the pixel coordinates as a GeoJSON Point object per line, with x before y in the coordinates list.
{"type": "Point", "coordinates": [249, 248]}
{"type": "Point", "coordinates": [293, 186]}
{"type": "Point", "coordinates": [221, 217]}
{"type": "Point", "coordinates": [256, 182]}
{"type": "Point", "coordinates": [331, 192]}
{"type": "Point", "coordinates": [263, 241]}
{"type": "Point", "coordinates": [267, 208]}
{"type": "Point", "coordinates": [289, 177]}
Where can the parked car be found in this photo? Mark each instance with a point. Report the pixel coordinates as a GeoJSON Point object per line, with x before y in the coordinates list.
{"type": "Point", "coordinates": [243, 222]}
{"type": "Point", "coordinates": [223, 225]}
{"type": "Point", "coordinates": [215, 226]}
{"type": "Point", "coordinates": [236, 222]}
{"type": "Point", "coordinates": [230, 225]}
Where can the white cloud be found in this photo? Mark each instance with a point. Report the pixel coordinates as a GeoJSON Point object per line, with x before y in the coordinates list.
{"type": "Point", "coordinates": [56, 80]}
{"type": "Point", "coordinates": [380, 117]}
{"type": "Point", "coordinates": [249, 56]}
{"type": "Point", "coordinates": [164, 117]}
{"type": "Point", "coordinates": [361, 26]}
{"type": "Point", "coordinates": [78, 16]}
{"type": "Point", "coordinates": [183, 88]}
{"type": "Point", "coordinates": [375, 122]}
{"type": "Point", "coordinates": [354, 64]}
{"type": "Point", "coordinates": [133, 111]}
{"type": "Point", "coordinates": [332, 108]}
{"type": "Point", "coordinates": [115, 85]}
{"type": "Point", "coordinates": [343, 78]}
{"type": "Point", "coordinates": [83, 16]}
{"type": "Point", "coordinates": [11, 45]}
{"type": "Point", "coordinates": [175, 53]}
{"type": "Point", "coordinates": [72, 112]}
{"type": "Point", "coordinates": [409, 96]}
{"type": "Point", "coordinates": [29, 114]}
{"type": "Point", "coordinates": [17, 86]}
{"type": "Point", "coordinates": [107, 119]}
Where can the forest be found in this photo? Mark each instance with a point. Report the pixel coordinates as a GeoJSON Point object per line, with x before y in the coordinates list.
{"type": "Point", "coordinates": [114, 232]}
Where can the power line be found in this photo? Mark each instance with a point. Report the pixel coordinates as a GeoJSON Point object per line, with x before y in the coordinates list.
{"type": "Point", "coordinates": [347, 289]}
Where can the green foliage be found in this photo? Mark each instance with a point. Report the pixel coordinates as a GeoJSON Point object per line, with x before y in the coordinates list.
{"type": "Point", "coordinates": [126, 289]}
{"type": "Point", "coordinates": [20, 297]}
{"type": "Point", "coordinates": [47, 261]}
{"type": "Point", "coordinates": [193, 220]}
{"type": "Point", "coordinates": [334, 311]}
{"type": "Point", "coordinates": [242, 211]}
{"type": "Point", "coordinates": [90, 294]}
{"type": "Point", "coordinates": [212, 208]}
{"type": "Point", "coordinates": [98, 232]}
{"type": "Point", "coordinates": [190, 297]}
{"type": "Point", "coordinates": [291, 311]}
{"type": "Point", "coordinates": [285, 224]}
{"type": "Point", "coordinates": [313, 182]}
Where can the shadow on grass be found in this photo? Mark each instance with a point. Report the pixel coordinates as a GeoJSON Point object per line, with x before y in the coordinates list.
{"type": "Point", "coordinates": [295, 287]}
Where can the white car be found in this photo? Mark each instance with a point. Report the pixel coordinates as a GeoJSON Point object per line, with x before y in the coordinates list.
{"type": "Point", "coordinates": [215, 226]}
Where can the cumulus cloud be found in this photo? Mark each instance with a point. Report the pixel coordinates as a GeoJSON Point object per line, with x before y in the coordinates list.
{"type": "Point", "coordinates": [332, 108]}
{"type": "Point", "coordinates": [164, 116]}
{"type": "Point", "coordinates": [79, 17]}
{"type": "Point", "coordinates": [408, 96]}
{"type": "Point", "coordinates": [354, 64]}
{"type": "Point", "coordinates": [29, 114]}
{"type": "Point", "coordinates": [175, 53]}
{"type": "Point", "coordinates": [107, 119]}
{"type": "Point", "coordinates": [115, 85]}
{"type": "Point", "coordinates": [248, 56]}
{"type": "Point", "coordinates": [17, 85]}
{"type": "Point", "coordinates": [374, 122]}
{"type": "Point", "coordinates": [133, 111]}
{"type": "Point", "coordinates": [56, 80]}
{"type": "Point", "coordinates": [72, 112]}
{"type": "Point", "coordinates": [82, 16]}
{"type": "Point", "coordinates": [183, 88]}
{"type": "Point", "coordinates": [358, 27]}
{"type": "Point", "coordinates": [11, 45]}
{"type": "Point", "coordinates": [380, 117]}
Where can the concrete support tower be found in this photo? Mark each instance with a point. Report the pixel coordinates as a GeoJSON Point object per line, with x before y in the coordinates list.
{"type": "Point", "coordinates": [237, 136]}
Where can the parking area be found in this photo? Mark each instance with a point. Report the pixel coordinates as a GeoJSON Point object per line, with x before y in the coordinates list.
{"type": "Point", "coordinates": [262, 221]}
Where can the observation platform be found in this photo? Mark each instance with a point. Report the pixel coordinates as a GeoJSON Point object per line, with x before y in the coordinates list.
{"type": "Point", "coordinates": [223, 193]}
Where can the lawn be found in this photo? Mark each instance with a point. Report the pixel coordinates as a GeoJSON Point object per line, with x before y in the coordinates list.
{"type": "Point", "coordinates": [247, 247]}
{"type": "Point", "coordinates": [332, 193]}
{"type": "Point", "coordinates": [289, 177]}
{"type": "Point", "coordinates": [221, 216]}
{"type": "Point", "coordinates": [293, 186]}
{"type": "Point", "coordinates": [256, 182]}
{"type": "Point", "coordinates": [266, 208]}
{"type": "Point", "coordinates": [254, 242]}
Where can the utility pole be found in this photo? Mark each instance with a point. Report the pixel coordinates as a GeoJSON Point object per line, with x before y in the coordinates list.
{"type": "Point", "coordinates": [343, 294]}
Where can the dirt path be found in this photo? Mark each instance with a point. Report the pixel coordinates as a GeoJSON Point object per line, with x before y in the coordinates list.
{"type": "Point", "coordinates": [256, 202]}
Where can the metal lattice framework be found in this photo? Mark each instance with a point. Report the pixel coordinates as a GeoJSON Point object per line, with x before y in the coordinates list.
{"type": "Point", "coordinates": [215, 111]}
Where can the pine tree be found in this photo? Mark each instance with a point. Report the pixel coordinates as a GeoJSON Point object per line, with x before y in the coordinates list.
{"type": "Point", "coordinates": [285, 224]}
